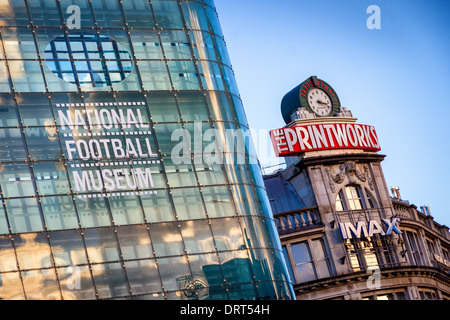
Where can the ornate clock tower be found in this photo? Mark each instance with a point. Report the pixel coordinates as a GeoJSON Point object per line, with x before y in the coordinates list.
{"type": "Point", "coordinates": [332, 199]}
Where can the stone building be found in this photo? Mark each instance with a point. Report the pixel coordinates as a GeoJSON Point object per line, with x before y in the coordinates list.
{"type": "Point", "coordinates": [343, 235]}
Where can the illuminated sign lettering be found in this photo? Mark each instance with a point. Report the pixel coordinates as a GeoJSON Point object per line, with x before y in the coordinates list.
{"type": "Point", "coordinates": [108, 146]}
{"type": "Point", "coordinates": [314, 137]}
{"type": "Point", "coordinates": [361, 230]}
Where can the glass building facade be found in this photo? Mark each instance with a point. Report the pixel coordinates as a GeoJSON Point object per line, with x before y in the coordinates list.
{"type": "Point", "coordinates": [95, 200]}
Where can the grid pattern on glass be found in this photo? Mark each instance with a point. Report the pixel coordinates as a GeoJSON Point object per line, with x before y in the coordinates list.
{"type": "Point", "coordinates": [99, 61]}
{"type": "Point", "coordinates": [186, 230]}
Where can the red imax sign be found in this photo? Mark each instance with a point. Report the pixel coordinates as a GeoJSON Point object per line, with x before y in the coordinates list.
{"type": "Point", "coordinates": [325, 136]}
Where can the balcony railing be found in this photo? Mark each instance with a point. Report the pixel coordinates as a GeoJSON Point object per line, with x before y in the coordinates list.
{"type": "Point", "coordinates": [292, 221]}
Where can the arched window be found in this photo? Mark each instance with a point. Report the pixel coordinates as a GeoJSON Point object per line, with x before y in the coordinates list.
{"type": "Point", "coordinates": [352, 197]}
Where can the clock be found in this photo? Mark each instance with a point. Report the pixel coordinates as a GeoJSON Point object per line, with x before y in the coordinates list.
{"type": "Point", "coordinates": [319, 102]}
{"type": "Point", "coordinates": [313, 94]}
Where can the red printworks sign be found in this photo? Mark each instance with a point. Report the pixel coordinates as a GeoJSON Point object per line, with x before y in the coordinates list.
{"type": "Point", "coordinates": [325, 136]}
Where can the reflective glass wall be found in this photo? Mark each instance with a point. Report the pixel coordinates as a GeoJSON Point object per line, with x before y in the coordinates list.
{"type": "Point", "coordinates": [117, 180]}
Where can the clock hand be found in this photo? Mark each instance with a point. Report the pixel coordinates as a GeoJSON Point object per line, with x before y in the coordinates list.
{"type": "Point", "coordinates": [322, 103]}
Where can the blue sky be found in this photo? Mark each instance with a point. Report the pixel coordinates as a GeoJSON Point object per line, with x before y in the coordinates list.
{"type": "Point", "coordinates": [395, 78]}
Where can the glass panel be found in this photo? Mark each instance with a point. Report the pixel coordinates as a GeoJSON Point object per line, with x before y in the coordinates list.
{"type": "Point", "coordinates": [8, 261]}
{"type": "Point", "coordinates": [126, 209]}
{"type": "Point", "coordinates": [157, 207]}
{"type": "Point", "coordinates": [68, 248]}
{"type": "Point", "coordinates": [303, 262]}
{"type": "Point", "coordinates": [166, 239]}
{"type": "Point", "coordinates": [45, 13]}
{"type": "Point", "coordinates": [19, 43]}
{"type": "Point", "coordinates": [101, 245]}
{"type": "Point", "coordinates": [174, 272]}
{"type": "Point", "coordinates": [108, 14]}
{"type": "Point", "coordinates": [171, 137]}
{"type": "Point", "coordinates": [51, 178]}
{"type": "Point", "coordinates": [14, 13]}
{"type": "Point", "coordinates": [193, 106]}
{"type": "Point", "coordinates": [3, 225]}
{"type": "Point", "coordinates": [41, 285]}
{"type": "Point", "coordinates": [146, 44]}
{"type": "Point", "coordinates": [203, 45]}
{"type": "Point", "coordinates": [163, 107]}
{"type": "Point", "coordinates": [76, 283]}
{"type": "Point", "coordinates": [16, 180]}
{"type": "Point", "coordinates": [143, 276]}
{"type": "Point", "coordinates": [12, 146]}
{"type": "Point", "coordinates": [87, 19]}
{"type": "Point", "coordinates": [318, 252]}
{"type": "Point", "coordinates": [176, 44]}
{"type": "Point", "coordinates": [339, 202]}
{"type": "Point", "coordinates": [138, 14]}
{"type": "Point", "coordinates": [195, 16]}
{"type": "Point", "coordinates": [24, 215]}
{"type": "Point", "coordinates": [134, 242]}
{"type": "Point", "coordinates": [93, 212]}
{"type": "Point", "coordinates": [26, 76]}
{"type": "Point", "coordinates": [179, 175]}
{"type": "Point", "coordinates": [288, 263]}
{"type": "Point", "coordinates": [218, 201]}
{"type": "Point", "coordinates": [110, 280]}
{"type": "Point", "coordinates": [33, 251]}
{"type": "Point", "coordinates": [353, 197]}
{"type": "Point", "coordinates": [184, 75]}
{"type": "Point", "coordinates": [227, 234]}
{"type": "Point", "coordinates": [154, 75]}
{"type": "Point", "coordinates": [213, 21]}
{"type": "Point", "coordinates": [221, 106]}
{"type": "Point", "coordinates": [211, 174]}
{"type": "Point", "coordinates": [59, 213]}
{"type": "Point", "coordinates": [8, 112]}
{"type": "Point", "coordinates": [197, 236]}
{"type": "Point", "coordinates": [35, 110]}
{"type": "Point", "coordinates": [305, 272]}
{"type": "Point", "coordinates": [11, 285]}
{"type": "Point", "coordinates": [168, 15]}
{"type": "Point", "coordinates": [188, 204]}
{"type": "Point", "coordinates": [211, 76]}
{"type": "Point", "coordinates": [43, 143]}
{"type": "Point", "coordinates": [4, 78]}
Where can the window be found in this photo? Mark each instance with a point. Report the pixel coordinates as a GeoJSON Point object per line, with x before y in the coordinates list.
{"type": "Point", "coordinates": [353, 198]}
{"type": "Point", "coordinates": [413, 248]}
{"type": "Point", "coordinates": [308, 260]}
{"type": "Point", "coordinates": [88, 69]}
{"type": "Point", "coordinates": [361, 254]}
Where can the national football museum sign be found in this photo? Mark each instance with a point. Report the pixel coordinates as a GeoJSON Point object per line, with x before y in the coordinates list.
{"type": "Point", "coordinates": [117, 148]}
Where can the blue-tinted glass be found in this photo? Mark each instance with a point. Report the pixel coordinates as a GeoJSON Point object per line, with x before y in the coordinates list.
{"type": "Point", "coordinates": [4, 78]}
{"type": "Point", "coordinates": [108, 13]}
{"type": "Point", "coordinates": [14, 13]}
{"type": "Point", "coordinates": [87, 20]}
{"type": "Point", "coordinates": [45, 13]}
{"type": "Point", "coordinates": [90, 170]}
{"type": "Point", "coordinates": [138, 14]}
{"type": "Point", "coordinates": [167, 14]}
{"type": "Point", "coordinates": [24, 215]}
{"type": "Point", "coordinates": [59, 213]}
{"type": "Point", "coordinates": [19, 43]}
{"type": "Point", "coordinates": [13, 148]}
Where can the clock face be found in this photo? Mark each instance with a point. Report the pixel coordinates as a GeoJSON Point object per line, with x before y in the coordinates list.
{"type": "Point", "coordinates": [319, 102]}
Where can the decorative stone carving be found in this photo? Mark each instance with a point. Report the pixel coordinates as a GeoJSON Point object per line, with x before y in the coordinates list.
{"type": "Point", "coordinates": [350, 170]}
